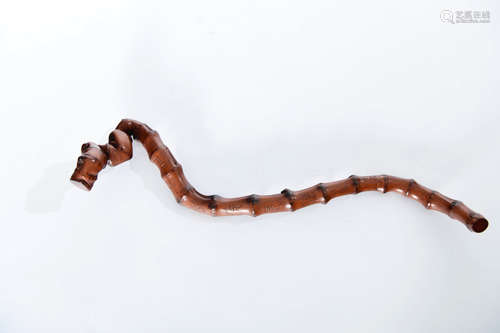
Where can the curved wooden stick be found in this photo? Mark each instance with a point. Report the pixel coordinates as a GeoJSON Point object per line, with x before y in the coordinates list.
{"type": "Point", "coordinates": [119, 149]}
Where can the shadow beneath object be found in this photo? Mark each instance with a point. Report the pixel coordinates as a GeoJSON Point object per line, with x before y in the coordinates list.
{"type": "Point", "coordinates": [47, 194]}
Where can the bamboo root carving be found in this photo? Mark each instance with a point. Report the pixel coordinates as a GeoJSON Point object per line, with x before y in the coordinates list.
{"type": "Point", "coordinates": [119, 149]}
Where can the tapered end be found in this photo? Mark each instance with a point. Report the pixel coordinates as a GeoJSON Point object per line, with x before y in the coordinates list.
{"type": "Point", "coordinates": [82, 179]}
{"type": "Point", "coordinates": [479, 225]}
{"type": "Point", "coordinates": [81, 184]}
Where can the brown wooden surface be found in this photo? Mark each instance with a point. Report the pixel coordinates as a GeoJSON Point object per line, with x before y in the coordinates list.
{"type": "Point", "coordinates": [119, 149]}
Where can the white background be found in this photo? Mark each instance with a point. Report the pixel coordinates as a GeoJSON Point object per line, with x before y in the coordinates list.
{"type": "Point", "coordinates": [251, 97]}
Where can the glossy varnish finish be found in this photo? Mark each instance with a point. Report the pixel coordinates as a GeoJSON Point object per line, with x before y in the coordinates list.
{"type": "Point", "coordinates": [119, 149]}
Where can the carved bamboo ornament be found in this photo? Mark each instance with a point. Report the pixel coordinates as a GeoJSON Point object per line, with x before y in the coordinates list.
{"type": "Point", "coordinates": [119, 149]}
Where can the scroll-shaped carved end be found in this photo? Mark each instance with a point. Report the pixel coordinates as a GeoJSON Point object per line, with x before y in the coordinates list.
{"type": "Point", "coordinates": [478, 224]}
{"type": "Point", "coordinates": [92, 160]}
{"type": "Point", "coordinates": [95, 157]}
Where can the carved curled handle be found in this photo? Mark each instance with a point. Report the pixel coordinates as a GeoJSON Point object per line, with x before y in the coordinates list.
{"type": "Point", "coordinates": [119, 149]}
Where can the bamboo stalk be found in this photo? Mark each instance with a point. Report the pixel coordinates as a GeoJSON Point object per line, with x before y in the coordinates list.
{"type": "Point", "coordinates": [119, 149]}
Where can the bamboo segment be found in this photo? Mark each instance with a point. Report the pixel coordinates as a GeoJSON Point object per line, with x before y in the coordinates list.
{"type": "Point", "coordinates": [119, 149]}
